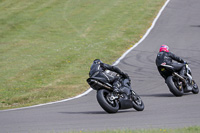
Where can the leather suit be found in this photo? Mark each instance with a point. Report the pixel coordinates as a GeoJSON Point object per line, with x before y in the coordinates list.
{"type": "Point", "coordinates": [99, 71]}
{"type": "Point", "coordinates": [168, 57]}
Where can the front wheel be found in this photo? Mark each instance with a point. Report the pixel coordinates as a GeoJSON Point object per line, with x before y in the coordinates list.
{"type": "Point", "coordinates": [195, 88]}
{"type": "Point", "coordinates": [174, 86]}
{"type": "Point", "coordinates": [104, 100]}
{"type": "Point", "coordinates": [137, 102]}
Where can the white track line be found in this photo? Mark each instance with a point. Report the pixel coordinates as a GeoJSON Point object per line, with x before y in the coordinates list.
{"type": "Point", "coordinates": [90, 89]}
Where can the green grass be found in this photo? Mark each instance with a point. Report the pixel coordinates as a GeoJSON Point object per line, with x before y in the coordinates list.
{"type": "Point", "coordinates": [47, 47]}
{"type": "Point", "coordinates": [193, 129]}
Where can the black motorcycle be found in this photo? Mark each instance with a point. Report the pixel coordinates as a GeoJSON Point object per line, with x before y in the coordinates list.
{"type": "Point", "coordinates": [111, 101]}
{"type": "Point", "coordinates": [177, 84]}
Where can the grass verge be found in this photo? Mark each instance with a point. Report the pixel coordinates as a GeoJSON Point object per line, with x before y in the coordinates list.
{"type": "Point", "coordinates": [192, 129]}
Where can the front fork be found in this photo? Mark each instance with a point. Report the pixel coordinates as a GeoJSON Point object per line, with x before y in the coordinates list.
{"type": "Point", "coordinates": [189, 74]}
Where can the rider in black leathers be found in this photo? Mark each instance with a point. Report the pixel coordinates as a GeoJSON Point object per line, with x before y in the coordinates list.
{"type": "Point", "coordinates": [98, 71]}
{"type": "Point", "coordinates": [166, 57]}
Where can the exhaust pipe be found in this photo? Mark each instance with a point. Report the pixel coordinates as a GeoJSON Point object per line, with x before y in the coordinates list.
{"type": "Point", "coordinates": [96, 84]}
{"type": "Point", "coordinates": [99, 83]}
{"type": "Point", "coordinates": [179, 76]}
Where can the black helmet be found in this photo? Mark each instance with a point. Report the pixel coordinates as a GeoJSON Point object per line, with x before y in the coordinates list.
{"type": "Point", "coordinates": [97, 61]}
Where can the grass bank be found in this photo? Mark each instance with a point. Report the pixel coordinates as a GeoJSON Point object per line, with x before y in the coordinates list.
{"type": "Point", "coordinates": [192, 129]}
{"type": "Point", "coordinates": [47, 47]}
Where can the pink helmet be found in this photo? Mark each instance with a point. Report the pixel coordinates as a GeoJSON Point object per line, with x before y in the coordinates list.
{"type": "Point", "coordinates": [164, 48]}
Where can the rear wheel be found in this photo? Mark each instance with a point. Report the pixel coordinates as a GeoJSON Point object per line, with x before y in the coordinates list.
{"type": "Point", "coordinates": [104, 100]}
{"type": "Point", "coordinates": [137, 102]}
{"type": "Point", "coordinates": [174, 86]}
{"type": "Point", "coordinates": [195, 89]}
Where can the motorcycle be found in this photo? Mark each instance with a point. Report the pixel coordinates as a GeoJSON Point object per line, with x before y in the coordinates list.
{"type": "Point", "coordinates": [177, 84]}
{"type": "Point", "coordinates": [111, 101]}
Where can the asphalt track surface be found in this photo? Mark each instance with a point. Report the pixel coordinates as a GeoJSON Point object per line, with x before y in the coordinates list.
{"type": "Point", "coordinates": [179, 27]}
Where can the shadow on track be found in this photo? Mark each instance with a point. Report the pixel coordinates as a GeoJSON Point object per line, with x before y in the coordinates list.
{"type": "Point", "coordinates": [98, 112]}
{"type": "Point", "coordinates": [162, 95]}
{"type": "Point", "coordinates": [195, 26]}
{"type": "Point", "coordinates": [158, 95]}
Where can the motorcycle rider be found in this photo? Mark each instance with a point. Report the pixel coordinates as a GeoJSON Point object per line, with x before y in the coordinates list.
{"type": "Point", "coordinates": [164, 57]}
{"type": "Point", "coordinates": [99, 70]}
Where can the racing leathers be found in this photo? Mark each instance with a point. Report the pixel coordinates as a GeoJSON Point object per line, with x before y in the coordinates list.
{"type": "Point", "coordinates": [167, 58]}
{"type": "Point", "coordinates": [99, 71]}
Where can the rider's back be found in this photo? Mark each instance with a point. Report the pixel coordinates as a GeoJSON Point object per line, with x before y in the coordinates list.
{"type": "Point", "coordinates": [164, 57]}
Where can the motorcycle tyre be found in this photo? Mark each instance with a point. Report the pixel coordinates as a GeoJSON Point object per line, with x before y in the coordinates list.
{"type": "Point", "coordinates": [137, 107]}
{"type": "Point", "coordinates": [173, 89]}
{"type": "Point", "coordinates": [195, 90]}
{"type": "Point", "coordinates": [101, 98]}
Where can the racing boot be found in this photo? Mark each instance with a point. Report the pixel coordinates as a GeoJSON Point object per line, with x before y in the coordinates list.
{"type": "Point", "coordinates": [116, 90]}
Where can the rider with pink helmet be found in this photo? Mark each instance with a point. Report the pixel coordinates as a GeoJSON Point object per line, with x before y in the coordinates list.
{"type": "Point", "coordinates": [166, 57]}
{"type": "Point", "coordinates": [164, 48]}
